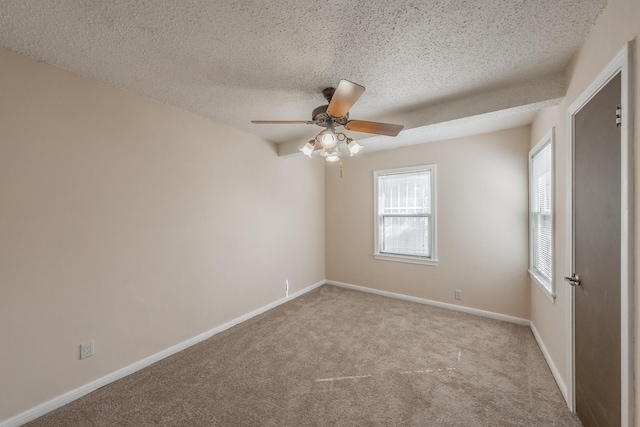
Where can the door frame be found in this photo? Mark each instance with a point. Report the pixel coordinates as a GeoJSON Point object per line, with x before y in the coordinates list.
{"type": "Point", "coordinates": [622, 64]}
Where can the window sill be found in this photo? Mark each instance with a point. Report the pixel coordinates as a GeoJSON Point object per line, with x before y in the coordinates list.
{"type": "Point", "coordinates": [407, 259]}
{"type": "Point", "coordinates": [544, 285]}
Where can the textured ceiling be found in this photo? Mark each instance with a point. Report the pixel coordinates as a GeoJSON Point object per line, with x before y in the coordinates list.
{"type": "Point", "coordinates": [234, 61]}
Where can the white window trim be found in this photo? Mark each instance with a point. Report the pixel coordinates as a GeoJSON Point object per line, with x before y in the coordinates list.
{"type": "Point", "coordinates": [433, 260]}
{"type": "Point", "coordinates": [547, 287]}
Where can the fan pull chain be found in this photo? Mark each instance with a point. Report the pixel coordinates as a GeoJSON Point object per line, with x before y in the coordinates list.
{"type": "Point", "coordinates": [340, 170]}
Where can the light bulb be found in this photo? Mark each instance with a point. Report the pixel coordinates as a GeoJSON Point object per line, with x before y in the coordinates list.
{"type": "Point", "coordinates": [354, 147]}
{"type": "Point", "coordinates": [328, 139]}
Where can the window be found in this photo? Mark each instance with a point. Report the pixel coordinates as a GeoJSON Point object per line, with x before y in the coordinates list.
{"type": "Point", "coordinates": [405, 227]}
{"type": "Point", "coordinates": [541, 213]}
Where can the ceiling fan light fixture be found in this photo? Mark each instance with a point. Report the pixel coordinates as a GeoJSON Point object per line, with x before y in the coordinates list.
{"type": "Point", "coordinates": [354, 147]}
{"type": "Point", "coordinates": [308, 148]}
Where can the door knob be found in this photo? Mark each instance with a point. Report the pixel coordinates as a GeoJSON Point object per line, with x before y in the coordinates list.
{"type": "Point", "coordinates": [574, 280]}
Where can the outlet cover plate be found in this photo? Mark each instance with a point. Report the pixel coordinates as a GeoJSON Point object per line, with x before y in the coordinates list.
{"type": "Point", "coordinates": [86, 349]}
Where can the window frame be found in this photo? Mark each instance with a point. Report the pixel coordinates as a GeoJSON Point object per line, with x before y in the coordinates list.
{"type": "Point", "coordinates": [412, 259]}
{"type": "Point", "coordinates": [547, 286]}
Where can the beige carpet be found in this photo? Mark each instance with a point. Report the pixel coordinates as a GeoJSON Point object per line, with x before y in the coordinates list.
{"type": "Point", "coordinates": [336, 357]}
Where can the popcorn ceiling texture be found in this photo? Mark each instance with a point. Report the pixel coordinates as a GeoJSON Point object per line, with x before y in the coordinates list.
{"type": "Point", "coordinates": [233, 61]}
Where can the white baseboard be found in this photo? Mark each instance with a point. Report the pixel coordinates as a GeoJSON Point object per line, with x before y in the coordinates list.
{"type": "Point", "coordinates": [68, 397]}
{"type": "Point", "coordinates": [556, 374]}
{"type": "Point", "coordinates": [483, 313]}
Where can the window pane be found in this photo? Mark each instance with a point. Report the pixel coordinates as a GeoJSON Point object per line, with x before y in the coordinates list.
{"type": "Point", "coordinates": [406, 236]}
{"type": "Point", "coordinates": [541, 215]}
{"type": "Point", "coordinates": [405, 214]}
{"type": "Point", "coordinates": [405, 193]}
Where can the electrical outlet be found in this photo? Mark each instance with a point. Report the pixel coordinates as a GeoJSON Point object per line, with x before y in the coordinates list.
{"type": "Point", "coordinates": [86, 349]}
{"type": "Point", "coordinates": [458, 294]}
{"type": "Point", "coordinates": [287, 283]}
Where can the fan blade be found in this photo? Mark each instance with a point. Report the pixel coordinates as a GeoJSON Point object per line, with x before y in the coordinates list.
{"type": "Point", "coordinates": [282, 122]}
{"type": "Point", "coordinates": [374, 127]}
{"type": "Point", "coordinates": [346, 94]}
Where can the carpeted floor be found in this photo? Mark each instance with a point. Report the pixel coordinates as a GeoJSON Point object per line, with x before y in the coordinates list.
{"type": "Point", "coordinates": [337, 357]}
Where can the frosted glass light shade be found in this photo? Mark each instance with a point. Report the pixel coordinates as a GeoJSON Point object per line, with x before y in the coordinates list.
{"type": "Point", "coordinates": [308, 148]}
{"type": "Point", "coordinates": [333, 156]}
{"type": "Point", "coordinates": [354, 147]}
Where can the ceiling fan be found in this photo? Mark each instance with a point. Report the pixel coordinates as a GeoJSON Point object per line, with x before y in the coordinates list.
{"type": "Point", "coordinates": [335, 114]}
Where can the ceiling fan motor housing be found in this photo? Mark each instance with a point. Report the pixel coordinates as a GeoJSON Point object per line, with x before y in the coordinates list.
{"type": "Point", "coordinates": [321, 118]}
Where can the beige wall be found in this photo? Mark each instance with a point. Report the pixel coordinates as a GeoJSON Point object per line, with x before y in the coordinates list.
{"type": "Point", "coordinates": [134, 224]}
{"type": "Point", "coordinates": [482, 223]}
{"type": "Point", "coordinates": [619, 23]}
{"type": "Point", "coordinates": [546, 316]}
